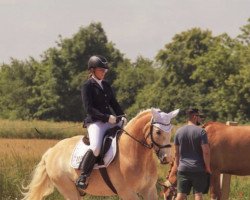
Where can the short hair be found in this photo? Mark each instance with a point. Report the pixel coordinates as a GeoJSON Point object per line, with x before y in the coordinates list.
{"type": "Point", "coordinates": [191, 111]}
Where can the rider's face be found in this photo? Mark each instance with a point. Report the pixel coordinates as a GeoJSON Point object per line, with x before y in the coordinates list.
{"type": "Point", "coordinates": [100, 73]}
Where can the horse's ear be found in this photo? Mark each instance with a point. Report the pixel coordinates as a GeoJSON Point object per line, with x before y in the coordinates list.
{"type": "Point", "coordinates": [174, 113]}
{"type": "Point", "coordinates": [155, 113]}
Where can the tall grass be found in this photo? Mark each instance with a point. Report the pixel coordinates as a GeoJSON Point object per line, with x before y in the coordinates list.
{"type": "Point", "coordinates": [17, 160]}
{"type": "Point", "coordinates": [39, 129]}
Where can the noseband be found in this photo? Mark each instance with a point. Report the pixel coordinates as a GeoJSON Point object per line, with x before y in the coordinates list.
{"type": "Point", "coordinates": [152, 138]}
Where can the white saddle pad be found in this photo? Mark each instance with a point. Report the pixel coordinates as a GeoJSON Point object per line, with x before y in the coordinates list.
{"type": "Point", "coordinates": [81, 149]}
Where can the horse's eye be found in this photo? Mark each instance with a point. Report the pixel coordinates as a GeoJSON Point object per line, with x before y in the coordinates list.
{"type": "Point", "coordinates": [158, 132]}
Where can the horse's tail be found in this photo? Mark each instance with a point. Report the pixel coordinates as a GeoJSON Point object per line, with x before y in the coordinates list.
{"type": "Point", "coordinates": [40, 185]}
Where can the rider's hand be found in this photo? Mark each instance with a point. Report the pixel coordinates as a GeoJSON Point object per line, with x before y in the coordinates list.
{"type": "Point", "coordinates": [125, 121]}
{"type": "Point", "coordinates": [112, 119]}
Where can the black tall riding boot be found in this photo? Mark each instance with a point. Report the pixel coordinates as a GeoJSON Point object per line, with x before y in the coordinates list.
{"type": "Point", "coordinates": [86, 167]}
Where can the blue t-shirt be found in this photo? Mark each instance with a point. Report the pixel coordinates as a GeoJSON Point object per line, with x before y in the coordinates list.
{"type": "Point", "coordinates": [189, 138]}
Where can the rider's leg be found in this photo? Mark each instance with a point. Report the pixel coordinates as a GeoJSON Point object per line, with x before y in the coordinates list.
{"type": "Point", "coordinates": [86, 168]}
{"type": "Point", "coordinates": [96, 133]}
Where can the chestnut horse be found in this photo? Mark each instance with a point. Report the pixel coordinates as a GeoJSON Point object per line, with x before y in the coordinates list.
{"type": "Point", "coordinates": [230, 147]}
{"type": "Point", "coordinates": [133, 171]}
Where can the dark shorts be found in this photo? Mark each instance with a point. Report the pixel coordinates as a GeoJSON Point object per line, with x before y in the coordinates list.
{"type": "Point", "coordinates": [198, 180]}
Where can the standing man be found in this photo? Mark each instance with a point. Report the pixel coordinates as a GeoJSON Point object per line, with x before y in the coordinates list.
{"type": "Point", "coordinates": [192, 157]}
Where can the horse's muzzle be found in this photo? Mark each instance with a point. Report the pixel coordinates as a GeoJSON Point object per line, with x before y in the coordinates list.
{"type": "Point", "coordinates": [165, 160]}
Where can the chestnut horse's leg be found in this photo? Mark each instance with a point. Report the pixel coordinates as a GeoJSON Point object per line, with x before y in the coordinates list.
{"type": "Point", "coordinates": [67, 188]}
{"type": "Point", "coordinates": [128, 194]}
{"type": "Point", "coordinates": [215, 193]}
{"type": "Point", "coordinates": [150, 194]}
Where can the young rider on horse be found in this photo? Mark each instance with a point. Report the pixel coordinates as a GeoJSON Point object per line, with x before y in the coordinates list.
{"type": "Point", "coordinates": [98, 98]}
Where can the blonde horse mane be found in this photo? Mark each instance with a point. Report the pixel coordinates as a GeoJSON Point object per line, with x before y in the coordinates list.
{"type": "Point", "coordinates": [139, 115]}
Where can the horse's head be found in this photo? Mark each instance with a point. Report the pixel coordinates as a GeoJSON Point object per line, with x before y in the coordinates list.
{"type": "Point", "coordinates": [160, 133]}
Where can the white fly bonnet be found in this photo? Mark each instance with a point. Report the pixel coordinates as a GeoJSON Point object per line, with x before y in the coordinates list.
{"type": "Point", "coordinates": [162, 120]}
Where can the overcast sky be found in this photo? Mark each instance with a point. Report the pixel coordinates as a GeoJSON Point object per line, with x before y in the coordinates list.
{"type": "Point", "coordinates": [137, 27]}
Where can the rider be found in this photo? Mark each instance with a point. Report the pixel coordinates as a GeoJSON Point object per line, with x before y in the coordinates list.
{"type": "Point", "coordinates": [98, 100]}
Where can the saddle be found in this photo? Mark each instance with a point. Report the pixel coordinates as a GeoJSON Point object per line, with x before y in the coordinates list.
{"type": "Point", "coordinates": [108, 149]}
{"type": "Point", "coordinates": [110, 134]}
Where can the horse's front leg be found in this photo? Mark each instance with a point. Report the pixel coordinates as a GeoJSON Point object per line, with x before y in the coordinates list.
{"type": "Point", "coordinates": [150, 194]}
{"type": "Point", "coordinates": [128, 194]}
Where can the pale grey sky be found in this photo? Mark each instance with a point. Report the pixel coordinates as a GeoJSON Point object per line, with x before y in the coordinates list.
{"type": "Point", "coordinates": [137, 27]}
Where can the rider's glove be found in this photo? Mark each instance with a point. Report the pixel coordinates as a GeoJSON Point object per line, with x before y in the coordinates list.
{"type": "Point", "coordinates": [125, 121]}
{"type": "Point", "coordinates": [112, 119]}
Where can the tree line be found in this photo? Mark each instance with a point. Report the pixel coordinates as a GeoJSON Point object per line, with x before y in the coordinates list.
{"type": "Point", "coordinates": [195, 69]}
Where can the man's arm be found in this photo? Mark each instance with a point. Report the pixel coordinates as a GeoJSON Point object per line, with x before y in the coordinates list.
{"type": "Point", "coordinates": [177, 155]}
{"type": "Point", "coordinates": [206, 156]}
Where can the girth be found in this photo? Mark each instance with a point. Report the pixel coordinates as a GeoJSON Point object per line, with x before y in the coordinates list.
{"type": "Point", "coordinates": [110, 134]}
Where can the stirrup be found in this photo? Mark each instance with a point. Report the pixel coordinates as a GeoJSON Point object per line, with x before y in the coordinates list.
{"type": "Point", "coordinates": [81, 182]}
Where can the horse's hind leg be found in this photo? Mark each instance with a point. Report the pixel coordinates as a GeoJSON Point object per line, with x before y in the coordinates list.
{"type": "Point", "coordinates": [67, 188]}
{"type": "Point", "coordinates": [215, 192]}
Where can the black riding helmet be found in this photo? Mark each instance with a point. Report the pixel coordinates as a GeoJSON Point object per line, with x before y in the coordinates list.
{"type": "Point", "coordinates": [97, 61]}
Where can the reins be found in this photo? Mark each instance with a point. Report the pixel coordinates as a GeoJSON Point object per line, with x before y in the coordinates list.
{"type": "Point", "coordinates": [150, 146]}
{"type": "Point", "coordinates": [142, 143]}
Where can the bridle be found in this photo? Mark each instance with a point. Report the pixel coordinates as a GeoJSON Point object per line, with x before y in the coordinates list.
{"type": "Point", "coordinates": [152, 138]}
{"type": "Point", "coordinates": [150, 134]}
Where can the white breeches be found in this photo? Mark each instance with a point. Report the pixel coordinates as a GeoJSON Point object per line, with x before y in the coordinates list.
{"type": "Point", "coordinates": [96, 132]}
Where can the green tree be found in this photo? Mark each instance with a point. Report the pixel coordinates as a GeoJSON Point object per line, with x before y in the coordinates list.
{"type": "Point", "coordinates": [176, 88]}
{"type": "Point", "coordinates": [52, 87]}
{"type": "Point", "coordinates": [131, 78]}
{"type": "Point", "coordinates": [16, 81]}
{"type": "Point", "coordinates": [67, 66]}
{"type": "Point", "coordinates": [245, 35]}
{"type": "Point", "coordinates": [214, 68]}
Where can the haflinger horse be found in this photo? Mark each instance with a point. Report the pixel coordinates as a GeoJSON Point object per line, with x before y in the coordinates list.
{"type": "Point", "coordinates": [230, 147]}
{"type": "Point", "coordinates": [132, 172]}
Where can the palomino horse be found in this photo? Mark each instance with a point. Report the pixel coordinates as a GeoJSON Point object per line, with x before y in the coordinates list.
{"type": "Point", "coordinates": [133, 171]}
{"type": "Point", "coordinates": [230, 147]}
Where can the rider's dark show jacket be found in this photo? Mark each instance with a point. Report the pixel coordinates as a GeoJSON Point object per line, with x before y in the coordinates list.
{"type": "Point", "coordinates": [98, 102]}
